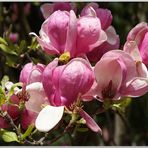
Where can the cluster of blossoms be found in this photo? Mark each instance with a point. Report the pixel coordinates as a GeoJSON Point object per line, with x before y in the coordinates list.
{"type": "Point", "coordinates": [70, 78]}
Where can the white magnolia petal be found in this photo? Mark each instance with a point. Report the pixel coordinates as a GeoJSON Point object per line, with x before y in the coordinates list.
{"type": "Point", "coordinates": [48, 118]}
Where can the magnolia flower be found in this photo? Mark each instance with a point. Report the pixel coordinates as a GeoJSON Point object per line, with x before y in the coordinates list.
{"type": "Point", "coordinates": [47, 9]}
{"type": "Point", "coordinates": [117, 76]}
{"type": "Point", "coordinates": [105, 17]}
{"type": "Point", "coordinates": [139, 34]}
{"type": "Point", "coordinates": [63, 32]}
{"type": "Point", "coordinates": [31, 73]}
{"type": "Point", "coordinates": [63, 84]}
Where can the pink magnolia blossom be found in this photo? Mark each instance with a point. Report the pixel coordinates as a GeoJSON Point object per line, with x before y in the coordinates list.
{"type": "Point", "coordinates": [63, 84]}
{"type": "Point", "coordinates": [117, 76]}
{"type": "Point", "coordinates": [48, 8]}
{"type": "Point", "coordinates": [63, 32]}
{"type": "Point", "coordinates": [104, 15]}
{"type": "Point", "coordinates": [31, 73]}
{"type": "Point", "coordinates": [139, 34]}
{"type": "Point", "coordinates": [112, 42]}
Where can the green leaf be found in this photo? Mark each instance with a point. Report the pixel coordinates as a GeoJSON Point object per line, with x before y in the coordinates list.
{"type": "Point", "coordinates": [2, 99]}
{"type": "Point", "coordinates": [9, 136]}
{"type": "Point", "coordinates": [7, 49]}
{"type": "Point", "coordinates": [4, 80]}
{"type": "Point", "coordinates": [2, 41]}
{"type": "Point", "coordinates": [22, 47]}
{"type": "Point", "coordinates": [28, 131]}
{"type": "Point", "coordinates": [12, 60]}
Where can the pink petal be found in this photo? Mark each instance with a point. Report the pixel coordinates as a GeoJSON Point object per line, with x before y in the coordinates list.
{"type": "Point", "coordinates": [133, 33]}
{"type": "Point", "coordinates": [47, 9]}
{"type": "Point", "coordinates": [36, 73]}
{"type": "Point", "coordinates": [86, 10]}
{"type": "Point", "coordinates": [47, 78]}
{"type": "Point", "coordinates": [89, 33]}
{"type": "Point", "coordinates": [131, 48]}
{"type": "Point", "coordinates": [142, 70]}
{"type": "Point", "coordinates": [112, 36]}
{"type": "Point", "coordinates": [102, 39]}
{"type": "Point", "coordinates": [57, 29]}
{"type": "Point", "coordinates": [57, 100]}
{"type": "Point", "coordinates": [110, 44]}
{"type": "Point", "coordinates": [37, 97]}
{"type": "Point", "coordinates": [46, 46]}
{"type": "Point", "coordinates": [144, 49]}
{"type": "Point", "coordinates": [24, 75]}
{"type": "Point", "coordinates": [127, 60]}
{"type": "Point", "coordinates": [105, 17]}
{"type": "Point", "coordinates": [109, 70]}
{"type": "Point", "coordinates": [91, 94]}
{"type": "Point", "coordinates": [28, 118]}
{"type": "Point", "coordinates": [90, 122]}
{"type": "Point", "coordinates": [136, 87]}
{"type": "Point", "coordinates": [77, 77]}
{"type": "Point", "coordinates": [71, 34]}
{"type": "Point", "coordinates": [140, 36]}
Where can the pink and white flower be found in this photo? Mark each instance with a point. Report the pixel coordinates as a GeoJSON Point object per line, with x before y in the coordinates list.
{"type": "Point", "coordinates": [117, 76]}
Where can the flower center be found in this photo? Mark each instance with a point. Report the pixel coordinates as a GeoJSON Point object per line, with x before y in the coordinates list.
{"type": "Point", "coordinates": [108, 92]}
{"type": "Point", "coordinates": [64, 58]}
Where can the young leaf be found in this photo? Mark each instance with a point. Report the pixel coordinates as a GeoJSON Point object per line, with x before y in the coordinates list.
{"type": "Point", "coordinates": [7, 49]}
{"type": "Point", "coordinates": [2, 41]}
{"type": "Point", "coordinates": [4, 80]}
{"type": "Point", "coordinates": [9, 136]}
